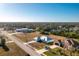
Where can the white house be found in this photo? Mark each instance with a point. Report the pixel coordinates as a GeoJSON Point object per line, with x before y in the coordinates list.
{"type": "Point", "coordinates": [45, 39]}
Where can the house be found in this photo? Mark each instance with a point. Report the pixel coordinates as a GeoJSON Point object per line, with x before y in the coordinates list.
{"type": "Point", "coordinates": [59, 43]}
{"type": "Point", "coordinates": [67, 43]}
{"type": "Point", "coordinates": [38, 39]}
{"type": "Point", "coordinates": [45, 39]}
{"type": "Point", "coordinates": [24, 30]}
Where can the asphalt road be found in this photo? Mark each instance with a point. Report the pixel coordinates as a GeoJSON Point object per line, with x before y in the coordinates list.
{"type": "Point", "coordinates": [27, 48]}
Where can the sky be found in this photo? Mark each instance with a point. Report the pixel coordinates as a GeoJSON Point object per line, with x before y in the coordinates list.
{"type": "Point", "coordinates": [39, 12]}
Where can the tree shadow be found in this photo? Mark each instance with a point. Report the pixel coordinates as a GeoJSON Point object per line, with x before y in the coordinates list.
{"type": "Point", "coordinates": [5, 48]}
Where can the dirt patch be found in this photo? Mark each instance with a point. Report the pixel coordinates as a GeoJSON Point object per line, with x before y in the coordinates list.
{"type": "Point", "coordinates": [55, 37]}
{"type": "Point", "coordinates": [38, 45]}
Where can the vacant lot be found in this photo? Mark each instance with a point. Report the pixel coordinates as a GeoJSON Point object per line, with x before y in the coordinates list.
{"type": "Point", "coordinates": [38, 45]}
{"type": "Point", "coordinates": [14, 50]}
{"type": "Point", "coordinates": [27, 36]}
{"type": "Point", "coordinates": [57, 37]}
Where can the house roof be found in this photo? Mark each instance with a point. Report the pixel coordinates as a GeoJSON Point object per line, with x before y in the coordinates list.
{"type": "Point", "coordinates": [44, 38]}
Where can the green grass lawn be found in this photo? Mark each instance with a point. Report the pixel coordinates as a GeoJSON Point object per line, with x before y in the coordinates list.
{"type": "Point", "coordinates": [53, 52]}
{"type": "Point", "coordinates": [61, 52]}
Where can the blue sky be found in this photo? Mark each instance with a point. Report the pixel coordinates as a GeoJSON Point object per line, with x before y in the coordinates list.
{"type": "Point", "coordinates": [42, 12]}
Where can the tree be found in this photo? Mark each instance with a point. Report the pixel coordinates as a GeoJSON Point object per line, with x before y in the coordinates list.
{"type": "Point", "coordinates": [2, 41]}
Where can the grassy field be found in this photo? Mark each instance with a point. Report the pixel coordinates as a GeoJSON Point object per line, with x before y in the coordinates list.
{"type": "Point", "coordinates": [53, 52]}
{"type": "Point", "coordinates": [38, 45]}
{"type": "Point", "coordinates": [61, 52]}
{"type": "Point", "coordinates": [14, 50]}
